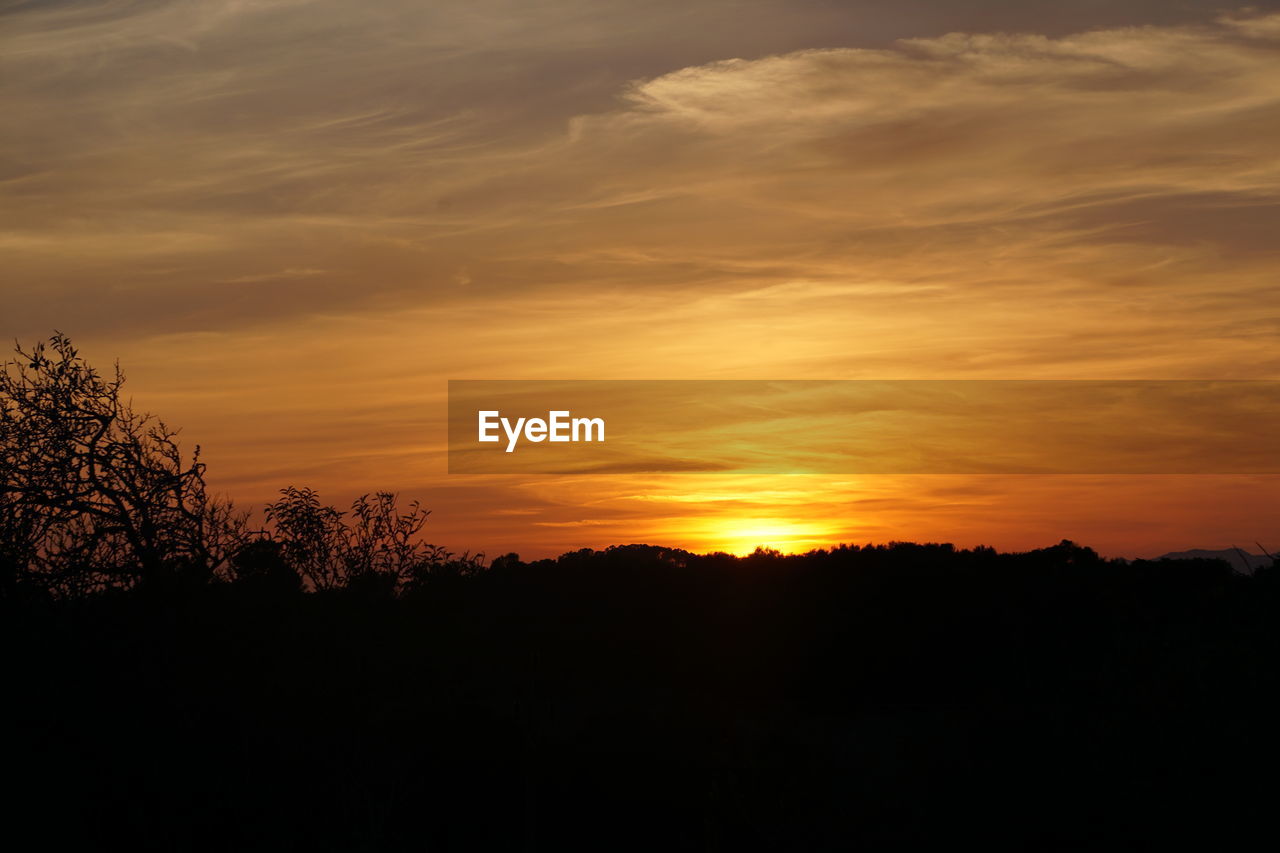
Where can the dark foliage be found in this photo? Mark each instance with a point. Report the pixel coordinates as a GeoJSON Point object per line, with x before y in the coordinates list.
{"type": "Point", "coordinates": [643, 698]}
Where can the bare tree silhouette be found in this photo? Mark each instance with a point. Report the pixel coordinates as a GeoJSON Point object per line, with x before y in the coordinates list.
{"type": "Point", "coordinates": [94, 495]}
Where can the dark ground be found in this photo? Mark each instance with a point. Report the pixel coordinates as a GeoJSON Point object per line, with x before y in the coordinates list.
{"type": "Point", "coordinates": [648, 699]}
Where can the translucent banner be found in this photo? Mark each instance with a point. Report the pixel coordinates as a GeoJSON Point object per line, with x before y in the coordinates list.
{"type": "Point", "coordinates": [865, 426]}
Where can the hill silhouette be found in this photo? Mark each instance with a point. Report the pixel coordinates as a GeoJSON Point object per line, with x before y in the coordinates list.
{"type": "Point", "coordinates": [1241, 561]}
{"type": "Point", "coordinates": [176, 680]}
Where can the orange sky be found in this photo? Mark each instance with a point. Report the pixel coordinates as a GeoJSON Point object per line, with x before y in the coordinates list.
{"type": "Point", "coordinates": [294, 221]}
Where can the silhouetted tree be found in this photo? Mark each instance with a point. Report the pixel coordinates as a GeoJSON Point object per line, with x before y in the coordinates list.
{"type": "Point", "coordinates": [384, 541]}
{"type": "Point", "coordinates": [311, 536]}
{"type": "Point", "coordinates": [374, 546]}
{"type": "Point", "coordinates": [94, 495]}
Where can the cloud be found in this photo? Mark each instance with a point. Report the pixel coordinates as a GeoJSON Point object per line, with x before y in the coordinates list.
{"type": "Point", "coordinates": [967, 129]}
{"type": "Point", "coordinates": [406, 146]}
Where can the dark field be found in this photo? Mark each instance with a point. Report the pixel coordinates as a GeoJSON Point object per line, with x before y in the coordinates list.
{"type": "Point", "coordinates": [641, 698]}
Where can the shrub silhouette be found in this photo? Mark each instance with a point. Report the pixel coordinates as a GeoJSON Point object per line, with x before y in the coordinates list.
{"type": "Point", "coordinates": [260, 566]}
{"type": "Point", "coordinates": [375, 546]}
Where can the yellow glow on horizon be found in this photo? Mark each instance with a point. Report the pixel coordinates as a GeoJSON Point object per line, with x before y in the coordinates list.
{"type": "Point", "coordinates": [742, 536]}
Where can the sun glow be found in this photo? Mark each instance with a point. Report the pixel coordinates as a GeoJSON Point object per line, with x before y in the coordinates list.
{"type": "Point", "coordinates": [742, 536]}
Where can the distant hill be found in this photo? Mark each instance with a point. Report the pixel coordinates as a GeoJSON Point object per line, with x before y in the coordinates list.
{"type": "Point", "coordinates": [1241, 561]}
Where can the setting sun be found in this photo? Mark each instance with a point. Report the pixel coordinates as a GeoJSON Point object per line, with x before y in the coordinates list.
{"type": "Point", "coordinates": [742, 536]}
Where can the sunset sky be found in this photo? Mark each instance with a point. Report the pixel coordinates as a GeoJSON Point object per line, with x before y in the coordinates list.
{"type": "Point", "coordinates": [293, 221]}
